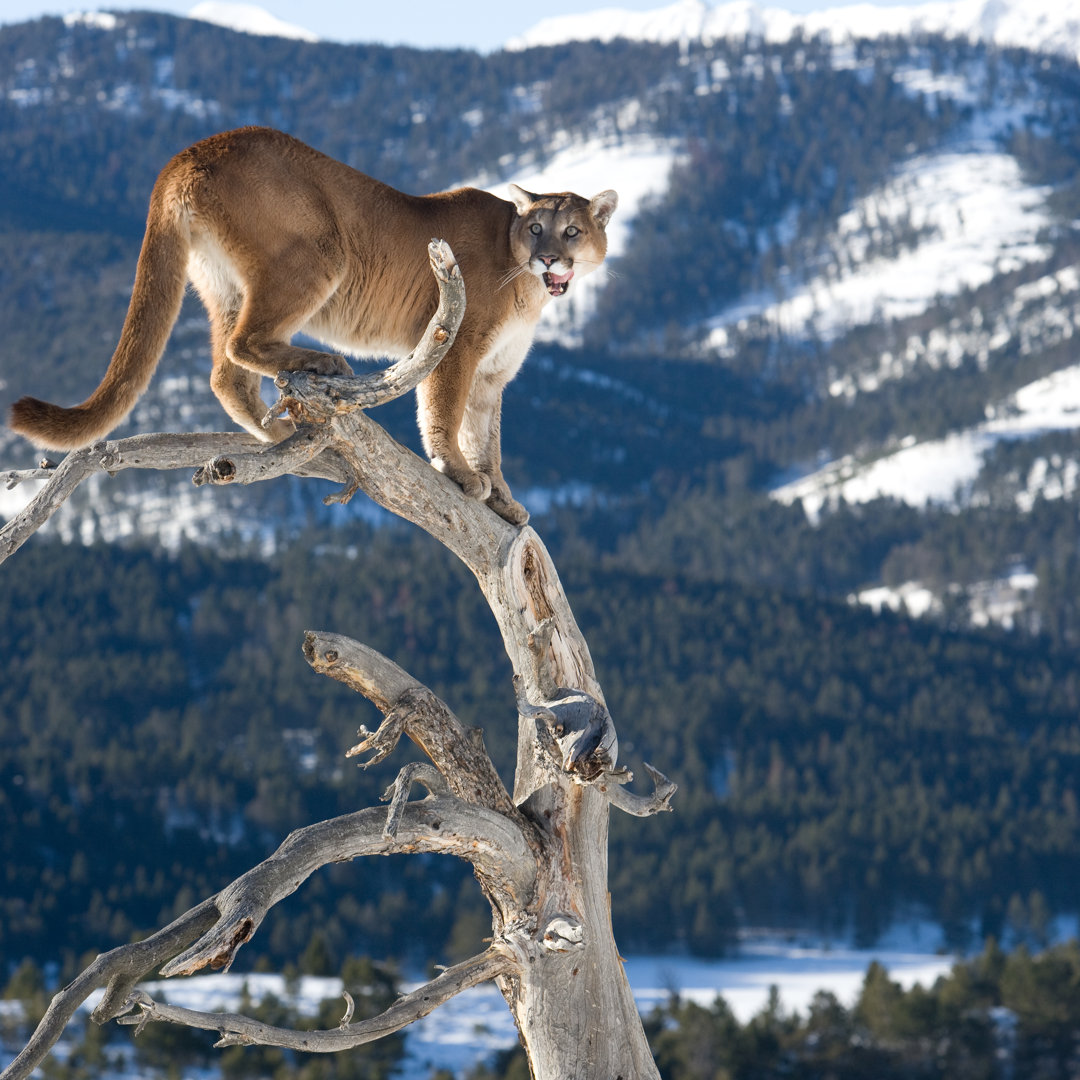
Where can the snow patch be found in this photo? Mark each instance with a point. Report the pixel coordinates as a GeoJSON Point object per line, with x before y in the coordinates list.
{"type": "Point", "coordinates": [98, 20]}
{"type": "Point", "coordinates": [976, 215]}
{"type": "Point", "coordinates": [911, 597]}
{"type": "Point", "coordinates": [248, 19]}
{"type": "Point", "coordinates": [943, 470]}
{"type": "Point", "coordinates": [998, 602]}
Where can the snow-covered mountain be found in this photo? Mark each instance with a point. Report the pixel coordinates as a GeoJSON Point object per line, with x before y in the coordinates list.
{"type": "Point", "coordinates": [891, 274]}
{"type": "Point", "coordinates": [944, 470]}
{"type": "Point", "coordinates": [1041, 25]}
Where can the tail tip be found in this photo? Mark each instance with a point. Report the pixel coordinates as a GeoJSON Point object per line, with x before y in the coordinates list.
{"type": "Point", "coordinates": [43, 424]}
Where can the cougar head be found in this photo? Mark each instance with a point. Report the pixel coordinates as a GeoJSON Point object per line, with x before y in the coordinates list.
{"type": "Point", "coordinates": [556, 236]}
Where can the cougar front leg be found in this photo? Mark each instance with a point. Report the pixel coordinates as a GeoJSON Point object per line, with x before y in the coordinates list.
{"type": "Point", "coordinates": [440, 408]}
{"type": "Point", "coordinates": [481, 442]}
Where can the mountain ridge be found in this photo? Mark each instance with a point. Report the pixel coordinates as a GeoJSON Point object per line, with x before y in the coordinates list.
{"type": "Point", "coordinates": [1042, 26]}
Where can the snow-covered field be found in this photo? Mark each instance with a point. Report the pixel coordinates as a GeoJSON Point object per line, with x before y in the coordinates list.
{"type": "Point", "coordinates": [477, 1023]}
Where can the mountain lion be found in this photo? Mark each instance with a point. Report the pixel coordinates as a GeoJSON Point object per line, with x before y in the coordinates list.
{"type": "Point", "coordinates": [278, 238]}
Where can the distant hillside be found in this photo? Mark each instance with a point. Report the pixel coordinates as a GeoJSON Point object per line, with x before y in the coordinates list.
{"type": "Point", "coordinates": [850, 247]}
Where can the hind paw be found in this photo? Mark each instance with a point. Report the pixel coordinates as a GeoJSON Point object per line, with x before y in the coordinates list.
{"type": "Point", "coordinates": [328, 364]}
{"type": "Point", "coordinates": [474, 484]}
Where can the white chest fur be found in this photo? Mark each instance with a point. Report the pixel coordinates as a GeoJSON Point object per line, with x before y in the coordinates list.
{"type": "Point", "coordinates": [504, 359]}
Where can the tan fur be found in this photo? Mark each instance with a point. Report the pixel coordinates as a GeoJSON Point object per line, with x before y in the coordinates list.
{"type": "Point", "coordinates": [278, 238]}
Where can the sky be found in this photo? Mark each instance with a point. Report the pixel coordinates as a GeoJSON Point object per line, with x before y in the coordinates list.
{"type": "Point", "coordinates": [477, 24]}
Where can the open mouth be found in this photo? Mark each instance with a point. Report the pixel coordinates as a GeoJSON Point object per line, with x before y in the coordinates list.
{"type": "Point", "coordinates": [557, 284]}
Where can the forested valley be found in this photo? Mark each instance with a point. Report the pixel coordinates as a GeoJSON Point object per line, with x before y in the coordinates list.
{"type": "Point", "coordinates": [836, 766]}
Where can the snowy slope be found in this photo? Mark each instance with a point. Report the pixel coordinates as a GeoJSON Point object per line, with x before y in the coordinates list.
{"type": "Point", "coordinates": [1042, 25]}
{"type": "Point", "coordinates": [979, 219]}
{"type": "Point", "coordinates": [248, 19]}
{"type": "Point", "coordinates": [943, 470]}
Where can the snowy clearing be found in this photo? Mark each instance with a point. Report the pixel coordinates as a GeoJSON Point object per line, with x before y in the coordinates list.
{"type": "Point", "coordinates": [942, 470]}
{"type": "Point", "coordinates": [477, 1023]}
{"type": "Point", "coordinates": [979, 218]}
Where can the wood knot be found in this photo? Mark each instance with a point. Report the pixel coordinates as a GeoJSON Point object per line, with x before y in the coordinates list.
{"type": "Point", "coordinates": [223, 470]}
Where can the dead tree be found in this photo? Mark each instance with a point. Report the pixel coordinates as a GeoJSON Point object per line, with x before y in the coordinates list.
{"type": "Point", "coordinates": [540, 854]}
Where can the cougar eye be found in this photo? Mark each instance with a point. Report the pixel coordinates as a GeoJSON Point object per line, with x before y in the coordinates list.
{"type": "Point", "coordinates": [572, 231]}
{"type": "Point", "coordinates": [536, 228]}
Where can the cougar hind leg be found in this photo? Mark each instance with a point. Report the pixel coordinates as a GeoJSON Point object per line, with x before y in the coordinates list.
{"type": "Point", "coordinates": [237, 388]}
{"type": "Point", "coordinates": [278, 302]}
{"type": "Point", "coordinates": [238, 391]}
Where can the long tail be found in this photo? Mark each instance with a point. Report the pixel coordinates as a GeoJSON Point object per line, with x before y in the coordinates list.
{"type": "Point", "coordinates": [160, 278]}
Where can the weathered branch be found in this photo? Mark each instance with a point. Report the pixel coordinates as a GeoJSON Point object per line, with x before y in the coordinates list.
{"type": "Point", "coordinates": [411, 709]}
{"type": "Point", "coordinates": [137, 452]}
{"type": "Point", "coordinates": [216, 928]}
{"type": "Point", "coordinates": [294, 456]}
{"type": "Point", "coordinates": [639, 805]}
{"type": "Point", "coordinates": [397, 794]}
{"type": "Point", "coordinates": [14, 477]}
{"type": "Point", "coordinates": [118, 971]}
{"type": "Point", "coordinates": [440, 824]}
{"type": "Point", "coordinates": [243, 1031]}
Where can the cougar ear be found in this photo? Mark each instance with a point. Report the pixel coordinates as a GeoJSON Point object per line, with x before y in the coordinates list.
{"type": "Point", "coordinates": [603, 206]}
{"type": "Point", "coordinates": [522, 199]}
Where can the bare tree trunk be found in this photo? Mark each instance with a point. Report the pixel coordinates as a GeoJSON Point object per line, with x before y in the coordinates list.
{"type": "Point", "coordinates": [540, 856]}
